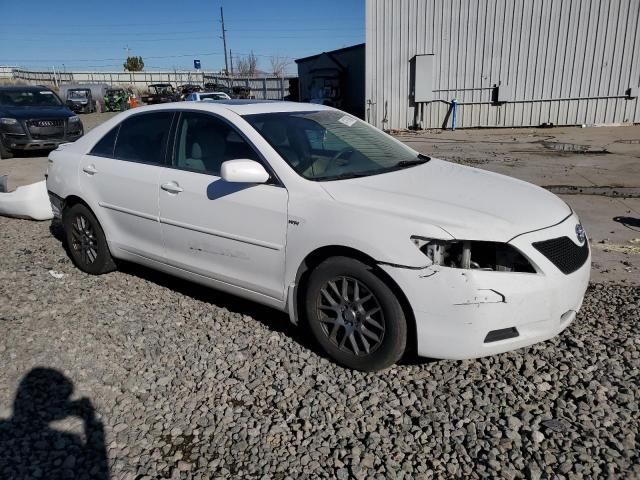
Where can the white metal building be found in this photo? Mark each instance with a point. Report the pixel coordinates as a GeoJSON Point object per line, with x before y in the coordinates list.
{"type": "Point", "coordinates": [506, 62]}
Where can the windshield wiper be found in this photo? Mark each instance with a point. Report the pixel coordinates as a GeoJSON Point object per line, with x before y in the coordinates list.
{"type": "Point", "coordinates": [410, 163]}
{"type": "Point", "coordinates": [344, 176]}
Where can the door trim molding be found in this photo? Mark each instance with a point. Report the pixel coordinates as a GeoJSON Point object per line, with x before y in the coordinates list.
{"type": "Point", "coordinates": [135, 213]}
{"type": "Point", "coordinates": [228, 236]}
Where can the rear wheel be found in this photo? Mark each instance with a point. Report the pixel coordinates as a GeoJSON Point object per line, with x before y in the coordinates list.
{"type": "Point", "coordinates": [86, 241]}
{"type": "Point", "coordinates": [353, 314]}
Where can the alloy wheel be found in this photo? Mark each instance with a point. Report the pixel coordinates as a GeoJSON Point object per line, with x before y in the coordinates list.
{"type": "Point", "coordinates": [83, 239]}
{"type": "Point", "coordinates": [350, 316]}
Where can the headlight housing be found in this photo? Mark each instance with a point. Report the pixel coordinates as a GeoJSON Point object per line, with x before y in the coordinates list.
{"type": "Point", "coordinates": [8, 121]}
{"type": "Point", "coordinates": [474, 255]}
{"type": "Point", "coordinates": [74, 119]}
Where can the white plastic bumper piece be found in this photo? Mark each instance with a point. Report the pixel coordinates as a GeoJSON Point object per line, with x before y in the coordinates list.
{"type": "Point", "coordinates": [29, 201]}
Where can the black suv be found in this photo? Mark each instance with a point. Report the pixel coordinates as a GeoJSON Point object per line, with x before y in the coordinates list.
{"type": "Point", "coordinates": [34, 117]}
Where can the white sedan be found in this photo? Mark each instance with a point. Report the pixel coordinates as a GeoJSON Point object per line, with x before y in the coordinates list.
{"type": "Point", "coordinates": [375, 248]}
{"type": "Point", "coordinates": [206, 96]}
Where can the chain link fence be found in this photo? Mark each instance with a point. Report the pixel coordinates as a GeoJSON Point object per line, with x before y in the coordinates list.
{"type": "Point", "coordinates": [261, 88]}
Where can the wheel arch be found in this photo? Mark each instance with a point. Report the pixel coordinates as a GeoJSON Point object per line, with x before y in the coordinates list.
{"type": "Point", "coordinates": [71, 200]}
{"type": "Point", "coordinates": [319, 255]}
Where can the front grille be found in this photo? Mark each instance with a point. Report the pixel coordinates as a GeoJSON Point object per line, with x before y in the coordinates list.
{"type": "Point", "coordinates": [45, 128]}
{"type": "Point", "coordinates": [563, 253]}
{"type": "Point", "coordinates": [46, 123]}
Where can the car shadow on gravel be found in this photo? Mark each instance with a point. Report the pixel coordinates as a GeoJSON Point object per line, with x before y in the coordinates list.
{"type": "Point", "coordinates": [271, 318]}
{"type": "Point", "coordinates": [31, 448]}
{"type": "Point", "coordinates": [274, 320]}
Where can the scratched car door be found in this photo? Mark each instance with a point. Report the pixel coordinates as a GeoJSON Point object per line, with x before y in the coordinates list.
{"type": "Point", "coordinates": [232, 232]}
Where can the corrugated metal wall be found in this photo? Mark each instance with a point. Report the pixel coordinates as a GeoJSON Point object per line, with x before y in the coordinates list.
{"type": "Point", "coordinates": [565, 62]}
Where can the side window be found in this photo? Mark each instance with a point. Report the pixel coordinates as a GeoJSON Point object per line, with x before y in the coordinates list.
{"type": "Point", "coordinates": [204, 142]}
{"type": "Point", "coordinates": [143, 138]}
{"type": "Point", "coordinates": [104, 147]}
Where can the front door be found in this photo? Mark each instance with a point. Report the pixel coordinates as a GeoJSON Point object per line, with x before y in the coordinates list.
{"type": "Point", "coordinates": [234, 233]}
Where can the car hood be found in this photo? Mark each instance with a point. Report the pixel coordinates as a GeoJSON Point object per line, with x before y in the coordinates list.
{"type": "Point", "coordinates": [466, 202]}
{"type": "Point", "coordinates": [23, 113]}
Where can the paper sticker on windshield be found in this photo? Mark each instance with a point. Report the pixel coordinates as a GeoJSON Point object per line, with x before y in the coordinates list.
{"type": "Point", "coordinates": [348, 121]}
{"type": "Point", "coordinates": [46, 92]}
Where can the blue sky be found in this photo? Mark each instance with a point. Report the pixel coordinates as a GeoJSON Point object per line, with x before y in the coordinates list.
{"type": "Point", "coordinates": [169, 34]}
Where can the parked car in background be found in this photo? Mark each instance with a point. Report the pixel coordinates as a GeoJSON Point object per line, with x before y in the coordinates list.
{"type": "Point", "coordinates": [116, 100]}
{"type": "Point", "coordinates": [186, 90]}
{"type": "Point", "coordinates": [241, 92]}
{"type": "Point", "coordinates": [79, 95]}
{"type": "Point", "coordinates": [34, 118]}
{"type": "Point", "coordinates": [161, 93]}
{"type": "Point", "coordinates": [200, 96]}
{"type": "Point", "coordinates": [80, 100]}
{"type": "Point", "coordinates": [312, 211]}
{"type": "Point", "coordinates": [217, 87]}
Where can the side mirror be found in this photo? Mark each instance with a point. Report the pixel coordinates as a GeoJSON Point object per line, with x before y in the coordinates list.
{"type": "Point", "coordinates": [243, 171]}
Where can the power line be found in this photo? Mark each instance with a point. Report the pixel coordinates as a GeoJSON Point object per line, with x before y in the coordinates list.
{"type": "Point", "coordinates": [208, 37]}
{"type": "Point", "coordinates": [203, 22]}
{"type": "Point", "coordinates": [150, 57]}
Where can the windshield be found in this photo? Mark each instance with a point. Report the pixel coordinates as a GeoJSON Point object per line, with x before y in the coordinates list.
{"type": "Point", "coordinates": [77, 94]}
{"type": "Point", "coordinates": [329, 145]}
{"type": "Point", "coordinates": [29, 98]}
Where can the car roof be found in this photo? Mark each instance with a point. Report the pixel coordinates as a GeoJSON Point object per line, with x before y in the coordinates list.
{"type": "Point", "coordinates": [241, 107]}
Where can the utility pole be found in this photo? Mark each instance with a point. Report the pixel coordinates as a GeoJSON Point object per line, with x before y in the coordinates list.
{"type": "Point", "coordinates": [231, 59]}
{"type": "Point", "coordinates": [224, 41]}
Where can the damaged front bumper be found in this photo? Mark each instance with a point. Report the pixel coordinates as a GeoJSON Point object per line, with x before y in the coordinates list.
{"type": "Point", "coordinates": [466, 313]}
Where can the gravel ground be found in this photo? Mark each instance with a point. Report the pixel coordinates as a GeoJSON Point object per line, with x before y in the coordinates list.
{"type": "Point", "coordinates": [178, 381]}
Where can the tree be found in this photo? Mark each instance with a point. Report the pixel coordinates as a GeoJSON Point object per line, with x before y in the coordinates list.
{"type": "Point", "coordinates": [279, 65]}
{"type": "Point", "coordinates": [248, 66]}
{"type": "Point", "coordinates": [133, 64]}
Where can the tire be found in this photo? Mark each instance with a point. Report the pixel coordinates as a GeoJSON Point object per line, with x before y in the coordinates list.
{"type": "Point", "coordinates": [86, 242]}
{"type": "Point", "coordinates": [368, 334]}
{"type": "Point", "coordinates": [5, 153]}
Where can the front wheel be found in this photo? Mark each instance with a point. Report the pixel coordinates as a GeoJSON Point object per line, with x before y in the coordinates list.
{"type": "Point", "coordinates": [86, 241]}
{"type": "Point", "coordinates": [355, 317]}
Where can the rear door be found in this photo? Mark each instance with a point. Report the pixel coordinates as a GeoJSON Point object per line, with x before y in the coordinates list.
{"type": "Point", "coordinates": [119, 180]}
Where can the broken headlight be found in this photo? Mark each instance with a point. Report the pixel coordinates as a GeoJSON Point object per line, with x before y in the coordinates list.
{"type": "Point", "coordinates": [473, 254]}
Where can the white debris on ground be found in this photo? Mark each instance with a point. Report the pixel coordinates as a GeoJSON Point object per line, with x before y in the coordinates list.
{"type": "Point", "coordinates": [29, 201]}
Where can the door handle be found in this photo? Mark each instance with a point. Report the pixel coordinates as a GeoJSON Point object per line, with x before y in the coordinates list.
{"type": "Point", "coordinates": [171, 187]}
{"type": "Point", "coordinates": [90, 169]}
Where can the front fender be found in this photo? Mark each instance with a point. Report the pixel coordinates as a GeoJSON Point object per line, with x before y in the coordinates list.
{"type": "Point", "coordinates": [318, 222]}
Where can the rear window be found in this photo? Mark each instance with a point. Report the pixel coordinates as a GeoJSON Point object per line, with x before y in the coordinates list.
{"type": "Point", "coordinates": [104, 148]}
{"type": "Point", "coordinates": [143, 138]}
